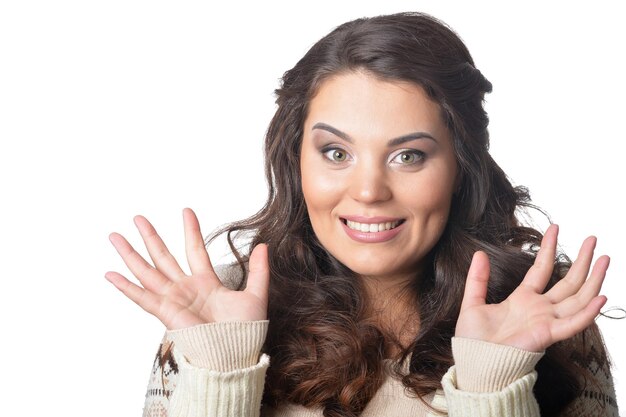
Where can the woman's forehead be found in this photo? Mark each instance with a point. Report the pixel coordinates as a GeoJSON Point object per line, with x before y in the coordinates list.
{"type": "Point", "coordinates": [360, 104]}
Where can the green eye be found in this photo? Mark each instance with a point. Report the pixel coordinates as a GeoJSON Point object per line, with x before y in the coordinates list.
{"type": "Point", "coordinates": [408, 157]}
{"type": "Point", "coordinates": [335, 155]}
{"type": "Point", "coordinates": [339, 155]}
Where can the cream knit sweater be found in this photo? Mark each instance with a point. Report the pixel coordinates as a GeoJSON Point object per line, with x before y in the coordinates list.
{"type": "Point", "coordinates": [217, 370]}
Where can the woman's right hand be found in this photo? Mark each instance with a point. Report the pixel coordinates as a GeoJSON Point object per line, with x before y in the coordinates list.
{"type": "Point", "coordinates": [179, 300]}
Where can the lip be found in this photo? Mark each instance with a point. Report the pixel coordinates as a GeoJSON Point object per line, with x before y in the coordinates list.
{"type": "Point", "coordinates": [376, 219]}
{"type": "Point", "coordinates": [371, 237]}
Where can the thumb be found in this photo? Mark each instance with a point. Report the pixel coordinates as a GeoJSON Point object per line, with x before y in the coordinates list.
{"type": "Point", "coordinates": [259, 276]}
{"type": "Point", "coordinates": [476, 283]}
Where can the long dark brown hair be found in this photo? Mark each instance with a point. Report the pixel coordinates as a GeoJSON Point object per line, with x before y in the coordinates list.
{"type": "Point", "coordinates": [324, 351]}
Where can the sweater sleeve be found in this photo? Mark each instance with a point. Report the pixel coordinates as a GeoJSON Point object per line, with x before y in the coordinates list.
{"type": "Point", "coordinates": [490, 380]}
{"type": "Point", "coordinates": [220, 370]}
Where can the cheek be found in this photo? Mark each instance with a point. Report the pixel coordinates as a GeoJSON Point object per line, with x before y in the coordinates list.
{"type": "Point", "coordinates": [318, 186]}
{"type": "Point", "coordinates": [320, 198]}
{"type": "Point", "coordinates": [321, 189]}
{"type": "Point", "coordinates": [430, 197]}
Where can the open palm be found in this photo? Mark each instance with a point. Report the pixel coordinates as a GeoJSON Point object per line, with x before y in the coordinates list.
{"type": "Point", "coordinates": [179, 300]}
{"type": "Point", "coordinates": [530, 319]}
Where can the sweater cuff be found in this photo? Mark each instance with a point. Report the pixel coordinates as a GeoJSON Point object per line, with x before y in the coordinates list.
{"type": "Point", "coordinates": [203, 392]}
{"type": "Point", "coordinates": [489, 367]}
{"type": "Point", "coordinates": [223, 346]}
{"type": "Point", "coordinates": [515, 400]}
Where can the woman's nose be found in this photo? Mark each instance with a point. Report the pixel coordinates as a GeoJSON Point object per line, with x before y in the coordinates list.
{"type": "Point", "coordinates": [369, 184]}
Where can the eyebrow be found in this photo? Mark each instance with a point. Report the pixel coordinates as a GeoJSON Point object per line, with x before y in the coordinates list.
{"type": "Point", "coordinates": [393, 142]}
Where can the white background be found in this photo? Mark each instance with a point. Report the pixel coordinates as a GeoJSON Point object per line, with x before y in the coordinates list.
{"type": "Point", "coordinates": [114, 108]}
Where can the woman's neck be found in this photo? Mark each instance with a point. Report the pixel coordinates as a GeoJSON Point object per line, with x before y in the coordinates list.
{"type": "Point", "coordinates": [393, 308]}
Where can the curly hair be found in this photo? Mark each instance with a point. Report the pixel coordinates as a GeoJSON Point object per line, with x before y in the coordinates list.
{"type": "Point", "coordinates": [325, 352]}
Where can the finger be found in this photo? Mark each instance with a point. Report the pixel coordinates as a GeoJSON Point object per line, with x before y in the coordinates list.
{"type": "Point", "coordinates": [568, 327]}
{"type": "Point", "coordinates": [259, 276]}
{"type": "Point", "coordinates": [576, 275]}
{"type": "Point", "coordinates": [149, 277]}
{"type": "Point", "coordinates": [539, 274]}
{"type": "Point", "coordinates": [475, 293]}
{"type": "Point", "coordinates": [197, 256]}
{"type": "Point", "coordinates": [160, 255]}
{"type": "Point", "coordinates": [140, 296]}
{"type": "Point", "coordinates": [589, 290]}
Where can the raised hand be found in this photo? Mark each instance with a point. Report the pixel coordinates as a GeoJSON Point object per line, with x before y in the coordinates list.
{"type": "Point", "coordinates": [179, 300]}
{"type": "Point", "coordinates": [528, 319]}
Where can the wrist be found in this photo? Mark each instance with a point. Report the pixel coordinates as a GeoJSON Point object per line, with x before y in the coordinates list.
{"type": "Point", "coordinates": [223, 346]}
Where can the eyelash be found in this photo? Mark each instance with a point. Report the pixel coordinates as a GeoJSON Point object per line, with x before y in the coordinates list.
{"type": "Point", "coordinates": [419, 155]}
{"type": "Point", "coordinates": [331, 150]}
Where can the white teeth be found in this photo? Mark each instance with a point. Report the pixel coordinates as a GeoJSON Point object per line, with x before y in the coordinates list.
{"type": "Point", "coordinates": [372, 227]}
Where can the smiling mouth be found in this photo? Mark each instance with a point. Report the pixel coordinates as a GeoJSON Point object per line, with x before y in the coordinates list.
{"type": "Point", "coordinates": [372, 227]}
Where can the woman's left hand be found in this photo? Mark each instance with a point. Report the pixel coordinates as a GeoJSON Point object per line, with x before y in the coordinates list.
{"type": "Point", "coordinates": [529, 319]}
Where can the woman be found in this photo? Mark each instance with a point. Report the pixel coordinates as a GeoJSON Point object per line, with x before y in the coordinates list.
{"type": "Point", "coordinates": [388, 259]}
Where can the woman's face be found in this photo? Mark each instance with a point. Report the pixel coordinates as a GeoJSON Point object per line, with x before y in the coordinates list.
{"type": "Point", "coordinates": [378, 172]}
